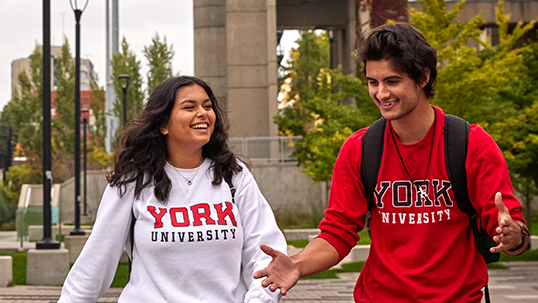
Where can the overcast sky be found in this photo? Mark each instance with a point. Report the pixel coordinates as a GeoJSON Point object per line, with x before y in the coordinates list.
{"type": "Point", "coordinates": [21, 30]}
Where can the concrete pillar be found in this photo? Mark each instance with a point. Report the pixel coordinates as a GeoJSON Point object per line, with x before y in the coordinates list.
{"type": "Point", "coordinates": [74, 245]}
{"type": "Point", "coordinates": [6, 271]}
{"type": "Point", "coordinates": [252, 67]}
{"type": "Point", "coordinates": [235, 53]}
{"type": "Point", "coordinates": [47, 266]}
{"type": "Point", "coordinates": [210, 45]}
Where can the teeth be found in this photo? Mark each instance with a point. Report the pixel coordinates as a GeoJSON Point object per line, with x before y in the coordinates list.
{"type": "Point", "coordinates": [200, 126]}
{"type": "Point", "coordinates": [387, 103]}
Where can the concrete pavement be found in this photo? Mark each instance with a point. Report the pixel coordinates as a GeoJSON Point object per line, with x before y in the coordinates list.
{"type": "Point", "coordinates": [517, 284]}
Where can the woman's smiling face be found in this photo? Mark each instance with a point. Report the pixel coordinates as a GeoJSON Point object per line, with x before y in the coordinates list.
{"type": "Point", "coordinates": [192, 119]}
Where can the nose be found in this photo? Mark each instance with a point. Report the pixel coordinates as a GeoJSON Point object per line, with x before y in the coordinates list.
{"type": "Point", "coordinates": [383, 92]}
{"type": "Point", "coordinates": [200, 111]}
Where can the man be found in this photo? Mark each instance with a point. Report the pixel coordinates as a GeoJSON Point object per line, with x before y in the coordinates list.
{"type": "Point", "coordinates": [422, 246]}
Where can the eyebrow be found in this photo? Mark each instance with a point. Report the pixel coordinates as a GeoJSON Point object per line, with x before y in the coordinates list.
{"type": "Point", "coordinates": [194, 101]}
{"type": "Point", "coordinates": [385, 79]}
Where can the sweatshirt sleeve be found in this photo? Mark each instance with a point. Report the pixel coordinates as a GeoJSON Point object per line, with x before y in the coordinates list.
{"type": "Point", "coordinates": [487, 174]}
{"type": "Point", "coordinates": [345, 216]}
{"type": "Point", "coordinates": [259, 227]}
{"type": "Point", "coordinates": [93, 272]}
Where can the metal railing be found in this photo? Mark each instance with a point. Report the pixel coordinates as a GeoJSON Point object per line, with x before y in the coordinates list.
{"type": "Point", "coordinates": [265, 148]}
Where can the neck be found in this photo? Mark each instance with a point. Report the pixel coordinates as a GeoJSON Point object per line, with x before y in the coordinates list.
{"type": "Point", "coordinates": [181, 159]}
{"type": "Point", "coordinates": [414, 127]}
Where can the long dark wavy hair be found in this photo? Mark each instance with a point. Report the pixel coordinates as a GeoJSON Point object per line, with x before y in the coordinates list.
{"type": "Point", "coordinates": [141, 151]}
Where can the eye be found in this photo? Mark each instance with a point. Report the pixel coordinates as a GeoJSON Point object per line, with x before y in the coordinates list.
{"type": "Point", "coordinates": [372, 83]}
{"type": "Point", "coordinates": [208, 106]}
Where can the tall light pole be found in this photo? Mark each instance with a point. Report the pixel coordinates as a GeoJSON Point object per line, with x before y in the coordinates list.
{"type": "Point", "coordinates": [85, 124]}
{"type": "Point", "coordinates": [47, 242]}
{"type": "Point", "coordinates": [124, 83]}
{"type": "Point", "coordinates": [78, 13]}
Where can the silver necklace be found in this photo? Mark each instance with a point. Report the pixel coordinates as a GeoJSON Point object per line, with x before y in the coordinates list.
{"type": "Point", "coordinates": [190, 181]}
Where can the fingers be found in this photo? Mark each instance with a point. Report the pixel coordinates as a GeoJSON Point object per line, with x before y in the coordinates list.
{"type": "Point", "coordinates": [268, 250]}
{"type": "Point", "coordinates": [497, 249]}
{"type": "Point", "coordinates": [260, 274]}
{"type": "Point", "coordinates": [503, 210]}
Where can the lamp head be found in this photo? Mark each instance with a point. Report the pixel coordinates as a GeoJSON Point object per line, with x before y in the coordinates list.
{"type": "Point", "coordinates": [124, 80]}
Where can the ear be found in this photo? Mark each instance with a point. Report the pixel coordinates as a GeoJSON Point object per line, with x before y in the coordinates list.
{"type": "Point", "coordinates": [164, 129]}
{"type": "Point", "coordinates": [425, 77]}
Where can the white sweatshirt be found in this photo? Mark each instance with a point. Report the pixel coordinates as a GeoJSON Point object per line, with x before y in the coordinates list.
{"type": "Point", "coordinates": [198, 247]}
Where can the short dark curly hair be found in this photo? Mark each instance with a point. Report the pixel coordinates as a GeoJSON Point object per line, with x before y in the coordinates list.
{"type": "Point", "coordinates": [405, 48]}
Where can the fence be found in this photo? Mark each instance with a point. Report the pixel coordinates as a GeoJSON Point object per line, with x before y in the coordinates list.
{"type": "Point", "coordinates": [265, 148]}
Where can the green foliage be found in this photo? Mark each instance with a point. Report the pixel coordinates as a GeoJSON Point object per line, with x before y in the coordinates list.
{"type": "Point", "coordinates": [7, 211]}
{"type": "Point", "coordinates": [19, 267]}
{"type": "Point", "coordinates": [493, 86]}
{"type": "Point", "coordinates": [364, 240]}
{"type": "Point", "coordinates": [311, 106]}
{"type": "Point", "coordinates": [306, 62]}
{"type": "Point", "coordinates": [159, 55]}
{"type": "Point", "coordinates": [288, 219]}
{"type": "Point", "coordinates": [19, 270]}
{"type": "Point", "coordinates": [122, 276]}
{"type": "Point", "coordinates": [333, 273]}
{"type": "Point", "coordinates": [332, 123]}
{"type": "Point", "coordinates": [25, 109]}
{"type": "Point", "coordinates": [64, 101]}
{"type": "Point", "coordinates": [97, 107]}
{"type": "Point", "coordinates": [463, 69]}
{"type": "Point", "coordinates": [125, 62]}
{"type": "Point", "coordinates": [529, 255]}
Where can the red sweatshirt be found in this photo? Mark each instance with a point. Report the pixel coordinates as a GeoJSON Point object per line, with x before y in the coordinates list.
{"type": "Point", "coordinates": [422, 247]}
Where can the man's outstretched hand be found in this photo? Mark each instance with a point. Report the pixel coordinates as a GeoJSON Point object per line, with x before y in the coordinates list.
{"type": "Point", "coordinates": [281, 273]}
{"type": "Point", "coordinates": [508, 232]}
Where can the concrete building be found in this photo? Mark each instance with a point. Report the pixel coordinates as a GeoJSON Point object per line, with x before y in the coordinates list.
{"type": "Point", "coordinates": [17, 66]}
{"type": "Point", "coordinates": [235, 46]}
{"type": "Point", "coordinates": [87, 74]}
{"type": "Point", "coordinates": [235, 51]}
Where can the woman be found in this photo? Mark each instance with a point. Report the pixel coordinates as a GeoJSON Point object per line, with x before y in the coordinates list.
{"type": "Point", "coordinates": [194, 240]}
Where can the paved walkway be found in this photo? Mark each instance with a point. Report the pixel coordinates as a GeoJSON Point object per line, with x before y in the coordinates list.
{"type": "Point", "coordinates": [518, 284]}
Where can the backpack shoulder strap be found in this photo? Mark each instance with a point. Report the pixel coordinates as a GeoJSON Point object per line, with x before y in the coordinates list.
{"type": "Point", "coordinates": [232, 189]}
{"type": "Point", "coordinates": [456, 141]}
{"type": "Point", "coordinates": [372, 153]}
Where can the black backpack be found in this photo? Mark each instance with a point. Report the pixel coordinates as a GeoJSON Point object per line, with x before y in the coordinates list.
{"type": "Point", "coordinates": [456, 141]}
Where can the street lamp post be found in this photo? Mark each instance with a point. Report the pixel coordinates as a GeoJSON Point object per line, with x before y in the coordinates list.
{"type": "Point", "coordinates": [78, 13]}
{"type": "Point", "coordinates": [85, 125]}
{"type": "Point", "coordinates": [124, 83]}
{"type": "Point", "coordinates": [47, 242]}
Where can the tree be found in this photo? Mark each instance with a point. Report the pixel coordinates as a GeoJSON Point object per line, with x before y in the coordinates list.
{"type": "Point", "coordinates": [125, 62]}
{"type": "Point", "coordinates": [25, 108]}
{"type": "Point", "coordinates": [306, 61]}
{"type": "Point", "coordinates": [463, 69]}
{"type": "Point", "coordinates": [159, 55]}
{"type": "Point", "coordinates": [311, 106]}
{"type": "Point", "coordinates": [493, 86]}
{"type": "Point", "coordinates": [333, 123]}
{"type": "Point", "coordinates": [64, 101]}
{"type": "Point", "coordinates": [99, 157]}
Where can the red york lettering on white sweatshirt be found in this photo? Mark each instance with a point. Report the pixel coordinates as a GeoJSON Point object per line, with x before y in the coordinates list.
{"type": "Point", "coordinates": [198, 214]}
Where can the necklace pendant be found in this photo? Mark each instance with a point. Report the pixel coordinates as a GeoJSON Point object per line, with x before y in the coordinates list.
{"type": "Point", "coordinates": [189, 182]}
{"type": "Point", "coordinates": [422, 192]}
